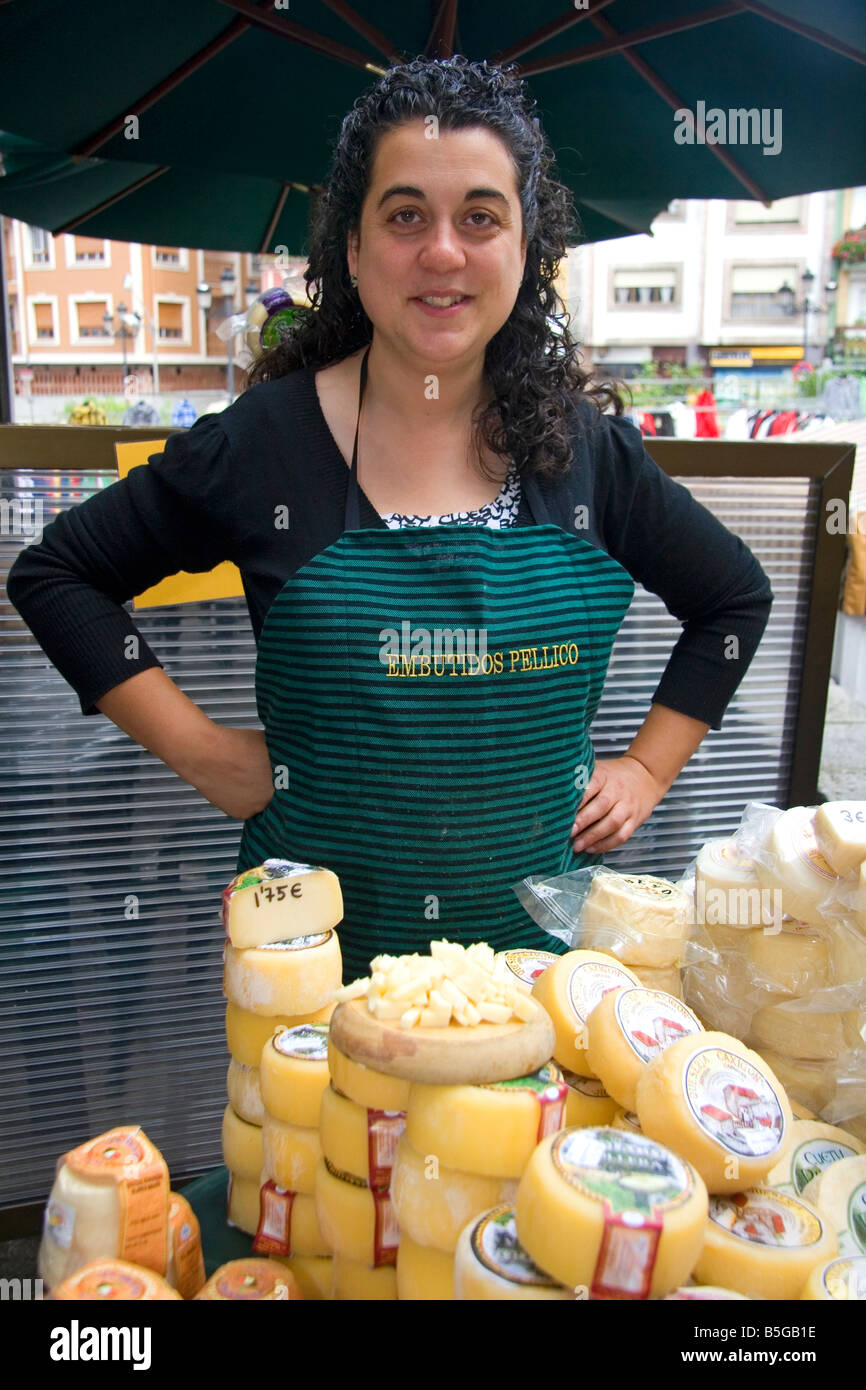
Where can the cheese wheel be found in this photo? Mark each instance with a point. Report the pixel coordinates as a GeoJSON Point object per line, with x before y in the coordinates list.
{"type": "Point", "coordinates": [523, 966]}
{"type": "Point", "coordinates": [357, 1221]}
{"type": "Point", "coordinates": [355, 1282]}
{"type": "Point", "coordinates": [727, 889]}
{"type": "Point", "coordinates": [794, 961]}
{"type": "Point", "coordinates": [185, 1260]}
{"type": "Point", "coordinates": [246, 1033]}
{"type": "Point", "coordinates": [733, 941]}
{"type": "Point", "coordinates": [314, 1275]}
{"type": "Point", "coordinates": [491, 1130]}
{"type": "Point", "coordinates": [290, 1154]}
{"type": "Point", "coordinates": [840, 832]}
{"type": "Point", "coordinates": [640, 919]}
{"type": "Point", "coordinates": [284, 977]}
{"type": "Point", "coordinates": [627, 1030]}
{"type": "Point", "coordinates": [288, 1223]}
{"type": "Point", "coordinates": [569, 991]}
{"type": "Point", "coordinates": [811, 1083]}
{"type": "Point", "coordinates": [245, 1281]}
{"type": "Point", "coordinates": [433, 1203]}
{"type": "Point", "coordinates": [610, 1214]}
{"type": "Point", "coordinates": [795, 867]}
{"type": "Point", "coordinates": [116, 1281]}
{"type": "Point", "coordinates": [242, 1203]}
{"type": "Point", "coordinates": [490, 1264]}
{"type": "Point", "coordinates": [702, 1293]}
{"type": "Point", "coordinates": [245, 1092]}
{"type": "Point", "coordinates": [423, 1273]}
{"type": "Point", "coordinates": [242, 1145]}
{"type": "Point", "coordinates": [372, 1089]}
{"type": "Point", "coordinates": [669, 979]}
{"type": "Point", "coordinates": [718, 1105]}
{"type": "Point", "coordinates": [294, 1073]}
{"type": "Point", "coordinates": [765, 1244]}
{"type": "Point", "coordinates": [627, 1120]}
{"type": "Point", "coordinates": [844, 1278]}
{"type": "Point", "coordinates": [813, 1147]}
{"type": "Point", "coordinates": [359, 1141]}
{"type": "Point", "coordinates": [803, 1034]}
{"type": "Point", "coordinates": [839, 1193]}
{"type": "Point", "coordinates": [587, 1102]}
{"type": "Point", "coordinates": [278, 901]}
{"type": "Point", "coordinates": [109, 1199]}
{"type": "Point", "coordinates": [847, 952]}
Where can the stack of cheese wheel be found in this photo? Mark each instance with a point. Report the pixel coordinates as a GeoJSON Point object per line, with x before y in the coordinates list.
{"type": "Point", "coordinates": [282, 967]}
{"type": "Point", "coordinates": [109, 1201]}
{"type": "Point", "coordinates": [641, 920]}
{"type": "Point", "coordinates": [294, 1074]}
{"type": "Point", "coordinates": [362, 1116]}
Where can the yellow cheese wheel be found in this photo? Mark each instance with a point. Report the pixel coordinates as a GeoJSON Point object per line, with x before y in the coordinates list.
{"type": "Point", "coordinates": [840, 832]}
{"type": "Point", "coordinates": [610, 1214]}
{"type": "Point", "coordinates": [294, 1073]}
{"type": "Point", "coordinates": [116, 1281]}
{"type": "Point", "coordinates": [314, 1275]}
{"type": "Point", "coordinates": [372, 1089]}
{"type": "Point", "coordinates": [433, 1203]}
{"type": "Point", "coordinates": [841, 1279]}
{"type": "Point", "coordinates": [800, 1112]}
{"type": "Point", "coordinates": [355, 1282]}
{"type": "Point", "coordinates": [284, 977]}
{"type": "Point", "coordinates": [424, 1274]}
{"type": "Point", "coordinates": [245, 1092]}
{"type": "Point", "coordinates": [290, 1154]}
{"type": "Point", "coordinates": [794, 961]}
{"type": "Point", "coordinates": [490, 1264]}
{"type": "Point", "coordinates": [243, 1203]}
{"type": "Point", "coordinates": [359, 1141]}
{"type": "Point", "coordinates": [727, 888]}
{"type": "Point", "coordinates": [668, 979]}
{"type": "Point", "coordinates": [491, 1130]}
{"type": "Point", "coordinates": [718, 1105]}
{"type": "Point", "coordinates": [804, 1034]}
{"type": "Point", "coordinates": [640, 919]}
{"type": "Point", "coordinates": [813, 1147]}
{"type": "Point", "coordinates": [524, 965]}
{"type": "Point", "coordinates": [811, 1083]}
{"type": "Point", "coordinates": [246, 1033]}
{"type": "Point", "coordinates": [794, 866]}
{"type": "Point", "coordinates": [288, 1223]}
{"type": "Point", "coordinates": [587, 1102]}
{"type": "Point", "coordinates": [839, 1194]}
{"type": "Point", "coordinates": [242, 1145]}
{"type": "Point", "coordinates": [279, 900]}
{"type": "Point", "coordinates": [251, 1280]}
{"type": "Point", "coordinates": [357, 1221]}
{"type": "Point", "coordinates": [569, 991]}
{"type": "Point", "coordinates": [185, 1261]}
{"type": "Point", "coordinates": [765, 1244]}
{"type": "Point", "coordinates": [627, 1030]}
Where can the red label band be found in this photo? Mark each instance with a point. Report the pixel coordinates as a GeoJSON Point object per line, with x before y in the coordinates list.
{"type": "Point", "coordinates": [387, 1233]}
{"type": "Point", "coordinates": [274, 1235]}
{"type": "Point", "coordinates": [551, 1108]}
{"type": "Point", "coordinates": [383, 1131]}
{"type": "Point", "coordinates": [627, 1255]}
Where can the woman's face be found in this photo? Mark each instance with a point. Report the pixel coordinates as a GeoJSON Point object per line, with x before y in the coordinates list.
{"type": "Point", "coordinates": [441, 220]}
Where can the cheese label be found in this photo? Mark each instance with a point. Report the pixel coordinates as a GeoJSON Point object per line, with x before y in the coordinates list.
{"type": "Point", "coordinates": [550, 1091]}
{"type": "Point", "coordinates": [588, 1086]}
{"type": "Point", "coordinates": [733, 1103]}
{"type": "Point", "coordinates": [274, 1234]}
{"type": "Point", "coordinates": [627, 1171]}
{"type": "Point", "coordinates": [126, 1156]}
{"type": "Point", "coordinates": [590, 982]}
{"type": "Point", "coordinates": [384, 1128]}
{"type": "Point", "coordinates": [806, 846]}
{"type": "Point", "coordinates": [386, 1236]}
{"type": "Point", "coordinates": [308, 1042]}
{"type": "Point", "coordinates": [857, 1216]}
{"type": "Point", "coordinates": [528, 965]}
{"type": "Point", "coordinates": [811, 1158]}
{"type": "Point", "coordinates": [728, 853]}
{"type": "Point", "coordinates": [651, 1020]}
{"type": "Point", "coordinates": [765, 1217]}
{"type": "Point", "coordinates": [300, 943]}
{"type": "Point", "coordinates": [654, 889]}
{"type": "Point", "coordinates": [59, 1223]}
{"type": "Point", "coordinates": [496, 1246]}
{"type": "Point", "coordinates": [846, 1278]}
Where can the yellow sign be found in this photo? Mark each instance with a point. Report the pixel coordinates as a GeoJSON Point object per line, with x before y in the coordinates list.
{"type": "Point", "coordinates": [222, 582]}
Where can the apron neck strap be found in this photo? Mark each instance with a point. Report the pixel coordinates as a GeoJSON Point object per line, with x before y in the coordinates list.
{"type": "Point", "coordinates": [352, 518]}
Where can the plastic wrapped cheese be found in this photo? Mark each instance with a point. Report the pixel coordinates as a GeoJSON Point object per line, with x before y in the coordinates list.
{"type": "Point", "coordinates": [727, 888]}
{"type": "Point", "coordinates": [793, 962]}
{"type": "Point", "coordinates": [569, 991]}
{"type": "Point", "coordinates": [627, 1030]}
{"type": "Point", "coordinates": [793, 865]}
{"type": "Point", "coordinates": [805, 1033]}
{"type": "Point", "coordinates": [840, 831]}
{"type": "Point", "coordinates": [640, 919]}
{"type": "Point", "coordinates": [284, 978]}
{"type": "Point", "coordinates": [668, 979]}
{"type": "Point", "coordinates": [765, 1244]}
{"type": "Point", "coordinates": [812, 1083]}
{"type": "Point", "coordinates": [114, 1281]}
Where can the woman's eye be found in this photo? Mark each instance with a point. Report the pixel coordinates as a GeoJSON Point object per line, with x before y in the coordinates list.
{"type": "Point", "coordinates": [407, 213]}
{"type": "Point", "coordinates": [487, 219]}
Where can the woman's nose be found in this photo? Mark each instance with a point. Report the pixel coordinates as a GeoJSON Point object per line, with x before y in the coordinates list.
{"type": "Point", "coordinates": [442, 249]}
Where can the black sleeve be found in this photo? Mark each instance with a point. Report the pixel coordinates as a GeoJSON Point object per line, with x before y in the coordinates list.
{"type": "Point", "coordinates": [704, 574]}
{"type": "Point", "coordinates": [178, 512]}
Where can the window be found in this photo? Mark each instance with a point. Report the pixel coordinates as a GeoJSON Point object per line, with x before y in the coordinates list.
{"type": "Point", "coordinates": [783, 210]}
{"type": "Point", "coordinates": [40, 246]}
{"type": "Point", "coordinates": [647, 286]}
{"type": "Point", "coordinates": [90, 316]}
{"type": "Point", "coordinates": [167, 255]}
{"type": "Point", "coordinates": [43, 315]}
{"type": "Point", "coordinates": [170, 319]}
{"type": "Point", "coordinates": [89, 249]}
{"type": "Point", "coordinates": [754, 287]}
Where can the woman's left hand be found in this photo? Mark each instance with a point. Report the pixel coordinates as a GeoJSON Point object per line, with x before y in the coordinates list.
{"type": "Point", "coordinates": [620, 796]}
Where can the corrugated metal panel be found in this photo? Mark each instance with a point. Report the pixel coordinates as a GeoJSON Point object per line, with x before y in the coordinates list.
{"type": "Point", "coordinates": [111, 867]}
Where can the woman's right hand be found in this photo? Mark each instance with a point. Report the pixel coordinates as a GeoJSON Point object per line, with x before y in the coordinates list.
{"type": "Point", "coordinates": [233, 771]}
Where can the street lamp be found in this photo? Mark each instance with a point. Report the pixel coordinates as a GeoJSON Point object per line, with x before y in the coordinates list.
{"type": "Point", "coordinates": [142, 314]}
{"type": "Point", "coordinates": [127, 321]}
{"type": "Point", "coordinates": [786, 300]}
{"type": "Point", "coordinates": [204, 295]}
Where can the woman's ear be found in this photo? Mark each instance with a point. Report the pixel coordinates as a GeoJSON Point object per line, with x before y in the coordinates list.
{"type": "Point", "coordinates": [352, 241]}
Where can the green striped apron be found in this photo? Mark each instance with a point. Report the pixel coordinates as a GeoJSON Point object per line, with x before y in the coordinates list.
{"type": "Point", "coordinates": [426, 695]}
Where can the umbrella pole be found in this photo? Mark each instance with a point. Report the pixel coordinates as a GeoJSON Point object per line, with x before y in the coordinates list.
{"type": "Point", "coordinates": [6, 386]}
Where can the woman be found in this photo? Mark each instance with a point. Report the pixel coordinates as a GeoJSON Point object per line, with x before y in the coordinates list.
{"type": "Point", "coordinates": [464, 528]}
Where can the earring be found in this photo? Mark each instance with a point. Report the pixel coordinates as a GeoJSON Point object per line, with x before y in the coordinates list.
{"type": "Point", "coordinates": [353, 281]}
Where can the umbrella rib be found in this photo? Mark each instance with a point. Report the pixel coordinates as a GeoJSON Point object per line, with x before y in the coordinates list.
{"type": "Point", "coordinates": [274, 219]}
{"type": "Point", "coordinates": [621, 43]}
{"type": "Point", "coordinates": [677, 104]}
{"type": "Point", "coordinates": [109, 202]}
{"type": "Point", "coordinates": [804, 30]}
{"type": "Point", "coordinates": [368, 31]}
{"type": "Point", "coordinates": [228, 35]}
{"type": "Point", "coordinates": [547, 31]}
{"type": "Point", "coordinates": [297, 33]}
{"type": "Point", "coordinates": [440, 44]}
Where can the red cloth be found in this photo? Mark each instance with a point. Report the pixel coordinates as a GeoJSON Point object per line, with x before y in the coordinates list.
{"type": "Point", "coordinates": [706, 419]}
{"type": "Point", "coordinates": [647, 424]}
{"type": "Point", "coordinates": [785, 422]}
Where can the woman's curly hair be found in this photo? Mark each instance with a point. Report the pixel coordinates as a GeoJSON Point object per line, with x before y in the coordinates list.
{"type": "Point", "coordinates": [532, 362]}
